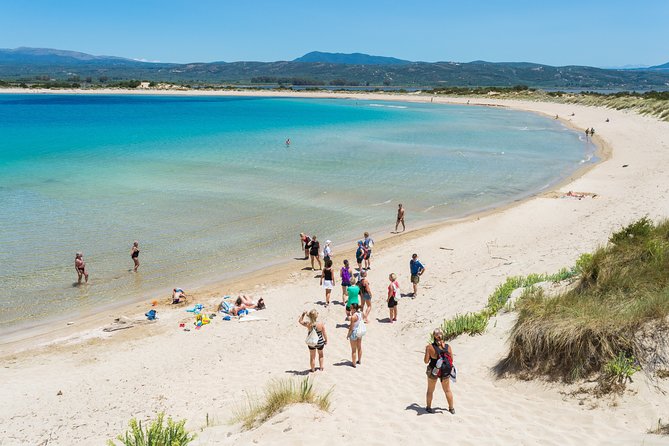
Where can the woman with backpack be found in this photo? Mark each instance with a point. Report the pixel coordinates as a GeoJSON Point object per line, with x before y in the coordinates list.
{"type": "Point", "coordinates": [315, 341]}
{"type": "Point", "coordinates": [356, 330]}
{"type": "Point", "coordinates": [439, 360]}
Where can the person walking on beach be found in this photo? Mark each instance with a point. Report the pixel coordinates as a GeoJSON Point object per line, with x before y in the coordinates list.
{"type": "Point", "coordinates": [353, 291]}
{"type": "Point", "coordinates": [345, 275]}
{"type": "Point", "coordinates": [327, 251]}
{"type": "Point", "coordinates": [369, 244]}
{"type": "Point", "coordinates": [134, 254]}
{"type": "Point", "coordinates": [360, 254]}
{"type": "Point", "coordinates": [417, 270]}
{"type": "Point", "coordinates": [322, 338]}
{"type": "Point", "coordinates": [366, 291]}
{"type": "Point", "coordinates": [80, 267]}
{"type": "Point", "coordinates": [305, 240]}
{"type": "Point", "coordinates": [327, 280]}
{"type": "Point", "coordinates": [315, 252]}
{"type": "Point", "coordinates": [439, 360]}
{"type": "Point", "coordinates": [393, 297]}
{"type": "Point", "coordinates": [400, 218]}
{"type": "Point", "coordinates": [356, 331]}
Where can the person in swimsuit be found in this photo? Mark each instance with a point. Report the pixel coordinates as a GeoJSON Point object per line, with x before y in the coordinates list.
{"type": "Point", "coordinates": [245, 303]}
{"type": "Point", "coordinates": [366, 291]}
{"type": "Point", "coordinates": [393, 297]}
{"type": "Point", "coordinates": [80, 267]}
{"type": "Point", "coordinates": [305, 240]}
{"type": "Point", "coordinates": [327, 280]}
{"type": "Point", "coordinates": [177, 295]}
{"type": "Point", "coordinates": [314, 252]}
{"type": "Point", "coordinates": [400, 218]}
{"type": "Point", "coordinates": [345, 275]}
{"type": "Point", "coordinates": [311, 324]}
{"type": "Point", "coordinates": [369, 244]}
{"type": "Point", "coordinates": [134, 254]}
{"type": "Point", "coordinates": [432, 353]}
{"type": "Point", "coordinates": [356, 342]}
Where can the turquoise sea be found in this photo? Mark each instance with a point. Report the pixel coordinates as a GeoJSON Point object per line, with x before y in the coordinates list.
{"type": "Point", "coordinates": [209, 188]}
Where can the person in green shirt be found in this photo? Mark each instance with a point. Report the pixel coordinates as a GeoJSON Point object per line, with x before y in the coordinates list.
{"type": "Point", "coordinates": [353, 291]}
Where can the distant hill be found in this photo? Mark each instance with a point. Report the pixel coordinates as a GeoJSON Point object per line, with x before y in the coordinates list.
{"type": "Point", "coordinates": [350, 59]}
{"type": "Point", "coordinates": [34, 66]}
{"type": "Point", "coordinates": [51, 56]}
{"type": "Point", "coordinates": [661, 67]}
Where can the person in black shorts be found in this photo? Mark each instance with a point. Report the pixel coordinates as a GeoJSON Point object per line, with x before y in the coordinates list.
{"type": "Point", "coordinates": [313, 323]}
{"type": "Point", "coordinates": [314, 252]}
{"type": "Point", "coordinates": [433, 353]}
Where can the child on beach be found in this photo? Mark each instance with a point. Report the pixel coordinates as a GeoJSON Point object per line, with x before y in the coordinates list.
{"type": "Point", "coordinates": [319, 327]}
{"type": "Point", "coordinates": [393, 296]}
{"type": "Point", "coordinates": [353, 296]}
{"type": "Point", "coordinates": [366, 291]}
{"type": "Point", "coordinates": [369, 244]}
{"type": "Point", "coordinates": [355, 334]}
{"type": "Point", "coordinates": [327, 280]}
{"type": "Point", "coordinates": [345, 275]}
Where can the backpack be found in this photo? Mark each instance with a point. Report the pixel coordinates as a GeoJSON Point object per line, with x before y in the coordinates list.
{"type": "Point", "coordinates": [445, 362]}
{"type": "Point", "coordinates": [312, 337]}
{"type": "Point", "coordinates": [345, 275]}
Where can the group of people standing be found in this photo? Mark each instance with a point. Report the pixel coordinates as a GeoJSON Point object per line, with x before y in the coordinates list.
{"type": "Point", "coordinates": [357, 300]}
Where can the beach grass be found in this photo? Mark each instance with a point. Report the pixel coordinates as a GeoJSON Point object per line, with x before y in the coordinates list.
{"type": "Point", "coordinates": [660, 429]}
{"type": "Point", "coordinates": [278, 395]}
{"type": "Point", "coordinates": [598, 326]}
{"type": "Point", "coordinates": [156, 433]}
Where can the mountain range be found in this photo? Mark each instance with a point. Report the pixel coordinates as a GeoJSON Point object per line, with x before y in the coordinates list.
{"type": "Point", "coordinates": [30, 65]}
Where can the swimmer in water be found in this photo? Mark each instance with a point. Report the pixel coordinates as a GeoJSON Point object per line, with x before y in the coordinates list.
{"type": "Point", "coordinates": [288, 142]}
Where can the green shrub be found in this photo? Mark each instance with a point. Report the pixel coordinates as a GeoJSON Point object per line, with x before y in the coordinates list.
{"type": "Point", "coordinates": [472, 323]}
{"type": "Point", "coordinates": [622, 287]}
{"type": "Point", "coordinates": [278, 395]}
{"type": "Point", "coordinates": [621, 368]}
{"type": "Point", "coordinates": [155, 434]}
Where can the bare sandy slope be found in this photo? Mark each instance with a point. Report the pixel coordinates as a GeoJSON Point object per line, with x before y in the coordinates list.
{"type": "Point", "coordinates": [107, 378]}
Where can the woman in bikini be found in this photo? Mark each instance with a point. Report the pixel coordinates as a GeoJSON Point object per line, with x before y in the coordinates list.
{"type": "Point", "coordinates": [80, 267]}
{"type": "Point", "coordinates": [313, 323]}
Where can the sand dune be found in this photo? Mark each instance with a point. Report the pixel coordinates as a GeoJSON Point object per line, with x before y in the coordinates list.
{"type": "Point", "coordinates": [107, 378]}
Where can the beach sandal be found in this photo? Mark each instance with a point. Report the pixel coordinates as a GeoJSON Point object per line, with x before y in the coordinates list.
{"type": "Point", "coordinates": [429, 410]}
{"type": "Point", "coordinates": [452, 410]}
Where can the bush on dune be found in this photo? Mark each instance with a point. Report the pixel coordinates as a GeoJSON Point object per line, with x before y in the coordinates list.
{"type": "Point", "coordinates": [597, 327]}
{"type": "Point", "coordinates": [156, 433]}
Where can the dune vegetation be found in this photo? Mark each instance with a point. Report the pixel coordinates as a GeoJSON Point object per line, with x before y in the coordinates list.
{"type": "Point", "coordinates": [156, 433]}
{"type": "Point", "coordinates": [278, 395]}
{"type": "Point", "coordinates": [611, 324]}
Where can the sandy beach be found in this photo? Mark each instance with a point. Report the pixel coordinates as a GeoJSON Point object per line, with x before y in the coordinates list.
{"type": "Point", "coordinates": [77, 384]}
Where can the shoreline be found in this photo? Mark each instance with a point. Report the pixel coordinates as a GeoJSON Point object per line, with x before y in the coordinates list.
{"type": "Point", "coordinates": [84, 389]}
{"type": "Point", "coordinates": [23, 337]}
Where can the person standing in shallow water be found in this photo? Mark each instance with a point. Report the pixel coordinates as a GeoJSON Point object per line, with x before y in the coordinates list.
{"type": "Point", "coordinates": [80, 267]}
{"type": "Point", "coordinates": [305, 241]}
{"type": "Point", "coordinates": [400, 218]}
{"type": "Point", "coordinates": [134, 254]}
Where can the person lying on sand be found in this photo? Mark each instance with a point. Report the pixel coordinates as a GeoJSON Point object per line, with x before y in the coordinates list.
{"type": "Point", "coordinates": [177, 295]}
{"type": "Point", "coordinates": [579, 195]}
{"type": "Point", "coordinates": [245, 303]}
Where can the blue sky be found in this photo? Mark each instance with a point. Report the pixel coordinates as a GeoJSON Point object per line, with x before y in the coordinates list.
{"type": "Point", "coordinates": [559, 32]}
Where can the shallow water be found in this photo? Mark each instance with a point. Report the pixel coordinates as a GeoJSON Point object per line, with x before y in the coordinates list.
{"type": "Point", "coordinates": [209, 188]}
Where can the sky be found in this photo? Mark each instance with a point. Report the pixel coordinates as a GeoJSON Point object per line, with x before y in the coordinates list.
{"type": "Point", "coordinates": [599, 33]}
